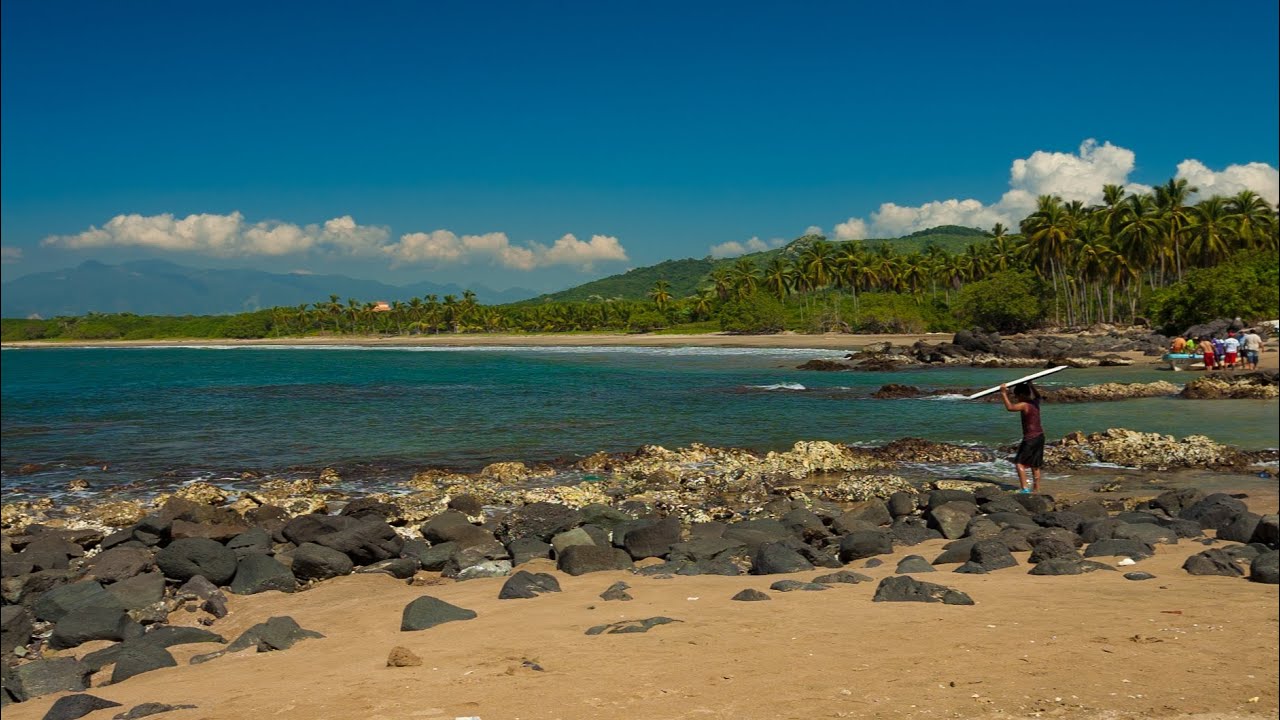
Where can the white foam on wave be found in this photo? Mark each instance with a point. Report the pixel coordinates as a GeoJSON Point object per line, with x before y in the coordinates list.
{"type": "Point", "coordinates": [948, 397]}
{"type": "Point", "coordinates": [780, 386]}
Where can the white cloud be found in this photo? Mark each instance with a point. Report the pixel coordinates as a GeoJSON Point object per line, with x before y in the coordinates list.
{"type": "Point", "coordinates": [1258, 177]}
{"type": "Point", "coordinates": [1071, 176]}
{"type": "Point", "coordinates": [225, 235]}
{"type": "Point", "coordinates": [852, 229]}
{"type": "Point", "coordinates": [734, 248]}
{"type": "Point", "coordinates": [814, 230]}
{"type": "Point", "coordinates": [444, 247]}
{"type": "Point", "coordinates": [10, 254]}
{"type": "Point", "coordinates": [231, 236]}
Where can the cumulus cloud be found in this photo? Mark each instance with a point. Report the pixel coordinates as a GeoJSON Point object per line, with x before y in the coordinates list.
{"type": "Point", "coordinates": [225, 235]}
{"type": "Point", "coordinates": [733, 248]}
{"type": "Point", "coordinates": [10, 254]}
{"type": "Point", "coordinates": [444, 247]}
{"type": "Point", "coordinates": [814, 230]}
{"type": "Point", "coordinates": [1258, 177]}
{"type": "Point", "coordinates": [1071, 176]}
{"type": "Point", "coordinates": [232, 236]}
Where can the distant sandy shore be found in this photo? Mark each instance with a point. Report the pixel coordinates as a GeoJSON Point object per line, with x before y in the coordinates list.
{"type": "Point", "coordinates": [835, 341]}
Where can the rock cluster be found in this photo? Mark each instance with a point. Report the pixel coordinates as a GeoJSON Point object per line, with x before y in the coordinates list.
{"type": "Point", "coordinates": [1145, 450]}
{"type": "Point", "coordinates": [1262, 385]}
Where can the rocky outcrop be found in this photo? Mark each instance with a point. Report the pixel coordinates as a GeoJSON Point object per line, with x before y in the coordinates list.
{"type": "Point", "coordinates": [1144, 450]}
{"type": "Point", "coordinates": [1263, 385]}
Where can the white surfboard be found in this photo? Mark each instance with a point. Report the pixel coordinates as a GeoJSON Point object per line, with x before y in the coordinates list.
{"type": "Point", "coordinates": [1011, 383]}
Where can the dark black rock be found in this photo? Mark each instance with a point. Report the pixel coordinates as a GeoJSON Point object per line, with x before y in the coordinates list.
{"type": "Point", "coordinates": [1015, 538]}
{"type": "Point", "coordinates": [1265, 568]}
{"type": "Point", "coordinates": [952, 518]}
{"type": "Point", "coordinates": [938, 498]}
{"type": "Point", "coordinates": [603, 516]}
{"type": "Point", "coordinates": [259, 573]}
{"type": "Point", "coordinates": [904, 588]}
{"type": "Point", "coordinates": [15, 627]}
{"type": "Point", "coordinates": [1183, 528]}
{"type": "Point", "coordinates": [254, 541]}
{"type": "Point", "coordinates": [1133, 518]}
{"type": "Point", "coordinates": [541, 520]}
{"type": "Point", "coordinates": [212, 600]}
{"type": "Point", "coordinates": [524, 584]}
{"type": "Point", "coordinates": [366, 542]}
{"type": "Point", "coordinates": [317, 562]}
{"type": "Point", "coordinates": [466, 504]}
{"type": "Point", "coordinates": [170, 635]}
{"type": "Point", "coordinates": [119, 563]}
{"type": "Point", "coordinates": [1051, 548]}
{"type": "Point", "coordinates": [847, 577]}
{"type": "Point", "coordinates": [863, 544]}
{"type": "Point", "coordinates": [183, 559]}
{"type": "Point", "coordinates": [1146, 533]}
{"type": "Point", "coordinates": [1134, 549]}
{"type": "Point", "coordinates": [277, 633]}
{"type": "Point", "coordinates": [49, 675]}
{"type": "Point", "coordinates": [427, 612]}
{"type": "Point", "coordinates": [369, 508]}
{"type": "Point", "coordinates": [805, 525]}
{"type": "Point", "coordinates": [1212, 562]}
{"type": "Point", "coordinates": [93, 623]}
{"type": "Point", "coordinates": [436, 557]}
{"type": "Point", "coordinates": [307, 528]}
{"type": "Point", "coordinates": [1241, 528]}
{"type": "Point", "coordinates": [1173, 502]}
{"type": "Point", "coordinates": [1268, 531]}
{"type": "Point", "coordinates": [1064, 519]}
{"type": "Point", "coordinates": [1004, 505]}
{"type": "Point", "coordinates": [750, 595]}
{"type": "Point", "coordinates": [1034, 504]}
{"type": "Point", "coordinates": [401, 568]}
{"type": "Point", "coordinates": [981, 528]}
{"type": "Point", "coordinates": [873, 563]}
{"type": "Point", "coordinates": [139, 591]}
{"type": "Point", "coordinates": [1035, 537]}
{"type": "Point", "coordinates": [73, 707]}
{"type": "Point", "coordinates": [1099, 529]}
{"type": "Point", "coordinates": [913, 564]}
{"type": "Point", "coordinates": [627, 627]}
{"type": "Point", "coordinates": [137, 658]}
{"type": "Point", "coordinates": [902, 504]}
{"type": "Point", "coordinates": [579, 559]}
{"type": "Point", "coordinates": [776, 558]}
{"type": "Point", "coordinates": [653, 540]}
{"type": "Point", "coordinates": [971, 568]}
{"type": "Point", "coordinates": [617, 591]}
{"type": "Point", "coordinates": [149, 709]}
{"type": "Point", "coordinates": [793, 585]}
{"type": "Point", "coordinates": [1067, 566]}
{"type": "Point", "coordinates": [1089, 509]}
{"type": "Point", "coordinates": [1214, 511]}
{"type": "Point", "coordinates": [1139, 575]}
{"type": "Point", "coordinates": [912, 530]}
{"type": "Point", "coordinates": [54, 604]}
{"type": "Point", "coordinates": [523, 550]}
{"type": "Point", "coordinates": [955, 551]}
{"type": "Point", "coordinates": [869, 511]}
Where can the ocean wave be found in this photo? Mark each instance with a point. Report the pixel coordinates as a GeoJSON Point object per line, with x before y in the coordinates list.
{"type": "Point", "coordinates": [946, 396]}
{"type": "Point", "coordinates": [780, 386]}
{"type": "Point", "coordinates": [683, 350]}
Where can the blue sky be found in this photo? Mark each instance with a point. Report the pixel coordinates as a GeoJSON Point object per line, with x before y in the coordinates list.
{"type": "Point", "coordinates": [487, 132]}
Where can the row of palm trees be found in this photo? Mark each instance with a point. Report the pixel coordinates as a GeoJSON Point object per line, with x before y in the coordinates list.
{"type": "Point", "coordinates": [1089, 255]}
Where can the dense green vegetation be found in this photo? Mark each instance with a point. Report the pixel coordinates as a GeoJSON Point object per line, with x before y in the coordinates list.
{"type": "Point", "coordinates": [1071, 265]}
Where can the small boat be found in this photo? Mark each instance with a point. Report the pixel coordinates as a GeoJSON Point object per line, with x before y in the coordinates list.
{"type": "Point", "coordinates": [1183, 361]}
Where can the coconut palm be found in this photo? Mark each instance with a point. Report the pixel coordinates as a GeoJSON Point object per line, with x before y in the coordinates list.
{"type": "Point", "coordinates": [1171, 206]}
{"type": "Point", "coordinates": [1211, 233]}
{"type": "Point", "coordinates": [746, 277]}
{"type": "Point", "coordinates": [1253, 219]}
{"type": "Point", "coordinates": [778, 277]}
{"type": "Point", "coordinates": [661, 295]}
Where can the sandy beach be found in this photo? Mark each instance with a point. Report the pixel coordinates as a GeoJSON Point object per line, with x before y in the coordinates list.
{"type": "Point", "coordinates": [1093, 646]}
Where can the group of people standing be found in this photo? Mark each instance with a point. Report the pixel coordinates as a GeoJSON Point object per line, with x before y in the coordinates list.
{"type": "Point", "coordinates": [1234, 351]}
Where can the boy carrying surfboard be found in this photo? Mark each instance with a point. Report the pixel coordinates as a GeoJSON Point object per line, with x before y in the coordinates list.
{"type": "Point", "coordinates": [1026, 400]}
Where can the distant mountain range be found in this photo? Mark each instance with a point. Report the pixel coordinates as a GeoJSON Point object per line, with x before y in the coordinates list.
{"type": "Point", "coordinates": [687, 276]}
{"type": "Point", "coordinates": [156, 287]}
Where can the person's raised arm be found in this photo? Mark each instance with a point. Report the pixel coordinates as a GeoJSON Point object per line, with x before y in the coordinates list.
{"type": "Point", "coordinates": [1009, 405]}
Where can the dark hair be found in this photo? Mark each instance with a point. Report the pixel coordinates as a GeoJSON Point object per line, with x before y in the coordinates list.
{"type": "Point", "coordinates": [1026, 390]}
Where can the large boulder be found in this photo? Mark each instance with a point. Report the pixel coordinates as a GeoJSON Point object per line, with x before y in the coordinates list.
{"type": "Point", "coordinates": [1133, 549]}
{"type": "Point", "coordinates": [1214, 511]}
{"type": "Point", "coordinates": [277, 633]}
{"type": "Point", "coordinates": [184, 559]}
{"type": "Point", "coordinates": [952, 518]}
{"type": "Point", "coordinates": [60, 601]}
{"type": "Point", "coordinates": [368, 541]}
{"type": "Point", "coordinates": [306, 528]}
{"type": "Point", "coordinates": [522, 550]}
{"type": "Point", "coordinates": [73, 707]}
{"type": "Point", "coordinates": [871, 511]}
{"type": "Point", "coordinates": [1268, 531]}
{"type": "Point", "coordinates": [653, 540]}
{"type": "Point", "coordinates": [541, 520]}
{"type": "Point", "coordinates": [580, 559]}
{"type": "Point", "coordinates": [46, 676]}
{"type": "Point", "coordinates": [776, 558]}
{"type": "Point", "coordinates": [903, 588]}
{"type": "Point", "coordinates": [317, 562]}
{"type": "Point", "coordinates": [138, 658]}
{"type": "Point", "coordinates": [991, 555]}
{"type": "Point", "coordinates": [93, 623]}
{"type": "Point", "coordinates": [1241, 528]}
{"type": "Point", "coordinates": [1146, 533]}
{"type": "Point", "coordinates": [864, 544]}
{"type": "Point", "coordinates": [119, 563]}
{"type": "Point", "coordinates": [1213, 561]}
{"type": "Point", "coordinates": [259, 573]}
{"type": "Point", "coordinates": [1064, 519]}
{"type": "Point", "coordinates": [15, 627]}
{"type": "Point", "coordinates": [1265, 568]}
{"type": "Point", "coordinates": [524, 584]}
{"type": "Point", "coordinates": [427, 612]}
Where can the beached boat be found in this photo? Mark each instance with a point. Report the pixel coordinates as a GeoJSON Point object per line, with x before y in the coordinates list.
{"type": "Point", "coordinates": [1183, 361]}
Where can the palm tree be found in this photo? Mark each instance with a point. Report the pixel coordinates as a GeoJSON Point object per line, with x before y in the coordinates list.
{"type": "Point", "coordinates": [1171, 205]}
{"type": "Point", "coordinates": [1139, 231]}
{"type": "Point", "coordinates": [661, 295]}
{"type": "Point", "coordinates": [1253, 220]}
{"type": "Point", "coordinates": [1212, 232]}
{"type": "Point", "coordinates": [746, 278]}
{"type": "Point", "coordinates": [817, 265]}
{"type": "Point", "coordinates": [1048, 231]}
{"type": "Point", "coordinates": [722, 281]}
{"type": "Point", "coordinates": [778, 276]}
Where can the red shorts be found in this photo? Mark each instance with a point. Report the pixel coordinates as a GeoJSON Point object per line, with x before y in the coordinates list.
{"type": "Point", "coordinates": [1231, 359]}
{"type": "Point", "coordinates": [1208, 361]}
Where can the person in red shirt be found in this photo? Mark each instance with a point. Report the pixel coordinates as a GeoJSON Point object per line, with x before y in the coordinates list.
{"type": "Point", "coordinates": [1030, 455]}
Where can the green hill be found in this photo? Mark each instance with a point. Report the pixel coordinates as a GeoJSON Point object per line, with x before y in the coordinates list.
{"type": "Point", "coordinates": [688, 275]}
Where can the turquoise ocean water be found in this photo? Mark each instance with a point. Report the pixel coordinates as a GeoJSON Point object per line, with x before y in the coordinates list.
{"type": "Point", "coordinates": [148, 413]}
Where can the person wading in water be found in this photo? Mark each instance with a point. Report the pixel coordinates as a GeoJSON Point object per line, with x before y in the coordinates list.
{"type": "Point", "coordinates": [1026, 400]}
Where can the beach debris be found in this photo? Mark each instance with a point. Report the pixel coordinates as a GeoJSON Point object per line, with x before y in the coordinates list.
{"type": "Point", "coordinates": [401, 656]}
